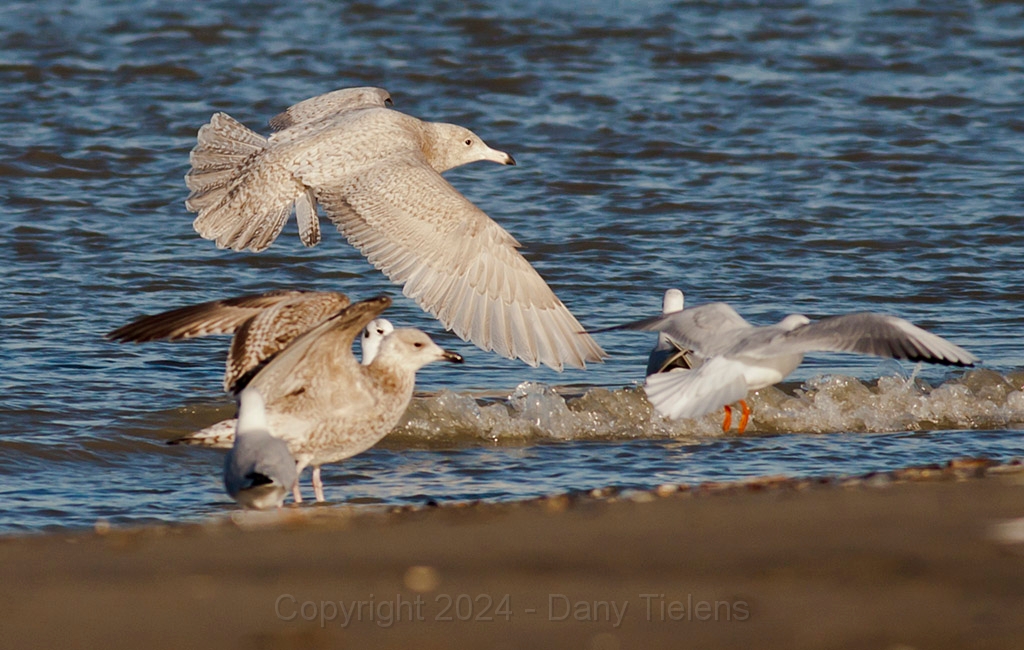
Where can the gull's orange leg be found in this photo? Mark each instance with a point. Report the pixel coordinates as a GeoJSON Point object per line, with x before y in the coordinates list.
{"type": "Point", "coordinates": [728, 418]}
{"type": "Point", "coordinates": [744, 416]}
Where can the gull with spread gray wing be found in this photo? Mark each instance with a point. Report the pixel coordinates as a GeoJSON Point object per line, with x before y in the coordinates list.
{"type": "Point", "coordinates": [739, 357]}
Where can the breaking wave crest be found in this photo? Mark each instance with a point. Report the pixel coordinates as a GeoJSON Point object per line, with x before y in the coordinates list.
{"type": "Point", "coordinates": [979, 399]}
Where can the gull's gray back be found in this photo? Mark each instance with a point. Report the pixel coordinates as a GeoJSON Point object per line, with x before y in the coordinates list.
{"type": "Point", "coordinates": [257, 462]}
{"type": "Point", "coordinates": [709, 330]}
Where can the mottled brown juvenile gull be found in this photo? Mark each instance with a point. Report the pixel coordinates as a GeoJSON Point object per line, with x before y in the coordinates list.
{"type": "Point", "coordinates": [263, 325]}
{"type": "Point", "coordinates": [740, 357]}
{"type": "Point", "coordinates": [259, 470]}
{"type": "Point", "coordinates": [377, 175]}
{"type": "Point", "coordinates": [324, 403]}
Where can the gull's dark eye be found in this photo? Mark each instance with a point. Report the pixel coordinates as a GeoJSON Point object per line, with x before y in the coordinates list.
{"type": "Point", "coordinates": [417, 344]}
{"type": "Point", "coordinates": [468, 142]}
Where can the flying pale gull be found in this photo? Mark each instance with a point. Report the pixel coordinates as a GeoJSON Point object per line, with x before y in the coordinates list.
{"type": "Point", "coordinates": [739, 357]}
{"type": "Point", "coordinates": [325, 404]}
{"type": "Point", "coordinates": [376, 173]}
{"type": "Point", "coordinates": [259, 470]}
{"type": "Point", "coordinates": [226, 146]}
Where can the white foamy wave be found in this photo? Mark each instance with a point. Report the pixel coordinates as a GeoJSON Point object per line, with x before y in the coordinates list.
{"type": "Point", "coordinates": [980, 399]}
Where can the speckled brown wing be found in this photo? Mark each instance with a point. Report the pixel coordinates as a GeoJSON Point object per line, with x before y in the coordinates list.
{"type": "Point", "coordinates": [323, 353]}
{"type": "Point", "coordinates": [222, 316]}
{"type": "Point", "coordinates": [455, 262]}
{"type": "Point", "coordinates": [273, 329]}
{"type": "Point", "coordinates": [263, 324]}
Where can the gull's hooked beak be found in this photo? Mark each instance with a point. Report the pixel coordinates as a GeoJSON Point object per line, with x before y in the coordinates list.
{"type": "Point", "coordinates": [454, 357]}
{"type": "Point", "coordinates": [500, 157]}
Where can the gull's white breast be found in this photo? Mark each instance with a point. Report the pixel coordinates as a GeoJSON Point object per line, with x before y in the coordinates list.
{"type": "Point", "coordinates": [759, 373]}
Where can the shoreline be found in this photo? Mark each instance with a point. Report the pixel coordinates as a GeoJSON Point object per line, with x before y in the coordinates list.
{"type": "Point", "coordinates": [926, 557]}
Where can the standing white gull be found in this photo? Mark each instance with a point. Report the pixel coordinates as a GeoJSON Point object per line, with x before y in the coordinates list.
{"type": "Point", "coordinates": [373, 334]}
{"type": "Point", "coordinates": [376, 173]}
{"type": "Point", "coordinates": [259, 470]}
{"type": "Point", "coordinates": [740, 357]}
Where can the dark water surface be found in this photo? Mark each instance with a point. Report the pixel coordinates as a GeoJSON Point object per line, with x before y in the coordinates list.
{"type": "Point", "coordinates": [804, 157]}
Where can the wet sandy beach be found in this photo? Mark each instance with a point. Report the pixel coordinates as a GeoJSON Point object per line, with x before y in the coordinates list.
{"type": "Point", "coordinates": [924, 558]}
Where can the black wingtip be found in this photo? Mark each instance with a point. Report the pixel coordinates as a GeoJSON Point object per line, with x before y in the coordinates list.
{"type": "Point", "coordinates": [121, 334]}
{"type": "Point", "coordinates": [613, 328]}
{"type": "Point", "coordinates": [258, 478]}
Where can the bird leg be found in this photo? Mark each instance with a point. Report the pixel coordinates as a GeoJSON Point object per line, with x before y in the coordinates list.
{"type": "Point", "coordinates": [296, 491]}
{"type": "Point", "coordinates": [744, 416]}
{"type": "Point", "coordinates": [318, 486]}
{"type": "Point", "coordinates": [741, 426]}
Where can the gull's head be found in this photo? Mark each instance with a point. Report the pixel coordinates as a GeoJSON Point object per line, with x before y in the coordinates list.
{"type": "Point", "coordinates": [411, 349]}
{"type": "Point", "coordinates": [672, 302]}
{"type": "Point", "coordinates": [451, 146]}
{"type": "Point", "coordinates": [793, 321]}
{"type": "Point", "coordinates": [373, 334]}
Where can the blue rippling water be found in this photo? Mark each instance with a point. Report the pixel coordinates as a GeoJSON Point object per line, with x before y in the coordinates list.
{"type": "Point", "coordinates": [803, 157]}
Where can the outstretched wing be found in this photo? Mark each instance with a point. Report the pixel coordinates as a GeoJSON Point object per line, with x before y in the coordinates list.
{"type": "Point", "coordinates": [262, 337]}
{"type": "Point", "coordinates": [323, 352]}
{"type": "Point", "coordinates": [329, 105]}
{"type": "Point", "coordinates": [263, 325]}
{"type": "Point", "coordinates": [214, 317]}
{"type": "Point", "coordinates": [877, 334]}
{"type": "Point", "coordinates": [456, 263]}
